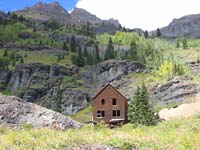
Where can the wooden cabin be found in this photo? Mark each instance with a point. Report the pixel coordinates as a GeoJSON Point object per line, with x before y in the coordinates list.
{"type": "Point", "coordinates": [110, 106]}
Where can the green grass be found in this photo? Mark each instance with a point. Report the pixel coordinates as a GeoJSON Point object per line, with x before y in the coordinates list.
{"type": "Point", "coordinates": [83, 115]}
{"type": "Point", "coordinates": [44, 58]}
{"type": "Point", "coordinates": [6, 92]}
{"type": "Point", "coordinates": [181, 134]}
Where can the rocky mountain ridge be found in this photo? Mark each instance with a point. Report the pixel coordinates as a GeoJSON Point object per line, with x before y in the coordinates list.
{"type": "Point", "coordinates": [187, 25]}
{"type": "Point", "coordinates": [54, 11]}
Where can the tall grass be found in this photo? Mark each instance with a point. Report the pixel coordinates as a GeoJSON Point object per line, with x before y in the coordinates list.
{"type": "Point", "coordinates": [179, 134]}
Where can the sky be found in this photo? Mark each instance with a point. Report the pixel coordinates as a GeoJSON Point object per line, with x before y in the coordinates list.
{"type": "Point", "coordinates": [146, 14]}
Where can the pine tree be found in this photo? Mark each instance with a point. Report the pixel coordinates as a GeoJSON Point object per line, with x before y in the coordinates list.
{"type": "Point", "coordinates": [132, 54]}
{"type": "Point", "coordinates": [158, 33]}
{"type": "Point", "coordinates": [177, 43]}
{"type": "Point", "coordinates": [57, 100]}
{"type": "Point", "coordinates": [96, 55]}
{"type": "Point", "coordinates": [89, 59]}
{"type": "Point", "coordinates": [139, 111]}
{"type": "Point", "coordinates": [146, 34]}
{"type": "Point", "coordinates": [80, 61]}
{"type": "Point", "coordinates": [65, 47]}
{"type": "Point", "coordinates": [22, 60]}
{"type": "Point", "coordinates": [73, 44]}
{"type": "Point", "coordinates": [133, 109]}
{"type": "Point", "coordinates": [85, 52]}
{"type": "Point", "coordinates": [5, 53]}
{"type": "Point", "coordinates": [185, 46]}
{"type": "Point", "coordinates": [110, 52]}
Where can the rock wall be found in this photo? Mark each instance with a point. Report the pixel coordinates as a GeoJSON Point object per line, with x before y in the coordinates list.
{"type": "Point", "coordinates": [47, 85]}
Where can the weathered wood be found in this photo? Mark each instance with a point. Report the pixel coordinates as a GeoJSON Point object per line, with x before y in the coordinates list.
{"type": "Point", "coordinates": [103, 101]}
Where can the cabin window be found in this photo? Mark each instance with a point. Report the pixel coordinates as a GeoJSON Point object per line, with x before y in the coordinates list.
{"type": "Point", "coordinates": [102, 101]}
{"type": "Point", "coordinates": [114, 101]}
{"type": "Point", "coordinates": [116, 113]}
{"type": "Point", "coordinates": [100, 114]}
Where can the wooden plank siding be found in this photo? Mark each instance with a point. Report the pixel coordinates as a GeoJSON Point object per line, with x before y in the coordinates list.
{"type": "Point", "coordinates": [108, 93]}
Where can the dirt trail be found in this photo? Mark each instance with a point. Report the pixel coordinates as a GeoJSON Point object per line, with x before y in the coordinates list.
{"type": "Point", "coordinates": [182, 111]}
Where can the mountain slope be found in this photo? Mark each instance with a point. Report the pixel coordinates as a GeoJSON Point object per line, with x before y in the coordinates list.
{"type": "Point", "coordinates": [82, 16]}
{"type": "Point", "coordinates": [187, 25]}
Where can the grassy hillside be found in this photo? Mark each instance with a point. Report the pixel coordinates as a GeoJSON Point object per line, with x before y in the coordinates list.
{"type": "Point", "coordinates": [180, 134]}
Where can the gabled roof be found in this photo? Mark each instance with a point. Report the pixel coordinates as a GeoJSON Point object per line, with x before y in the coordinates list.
{"type": "Point", "coordinates": [105, 88]}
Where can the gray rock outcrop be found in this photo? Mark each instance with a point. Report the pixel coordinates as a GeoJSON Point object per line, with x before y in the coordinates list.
{"type": "Point", "coordinates": [109, 71]}
{"type": "Point", "coordinates": [72, 87]}
{"type": "Point", "coordinates": [16, 113]}
{"type": "Point", "coordinates": [178, 90]}
{"type": "Point", "coordinates": [187, 25]}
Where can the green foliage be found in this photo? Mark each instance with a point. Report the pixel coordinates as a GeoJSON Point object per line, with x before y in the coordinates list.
{"type": "Point", "coordinates": [73, 44]}
{"type": "Point", "coordinates": [5, 53]}
{"type": "Point", "coordinates": [170, 68]}
{"type": "Point", "coordinates": [162, 136]}
{"type": "Point", "coordinates": [4, 62]}
{"type": "Point", "coordinates": [133, 52]}
{"type": "Point", "coordinates": [177, 43]}
{"type": "Point", "coordinates": [65, 46]}
{"type": "Point", "coordinates": [68, 82]}
{"type": "Point", "coordinates": [7, 92]}
{"type": "Point", "coordinates": [80, 59]}
{"type": "Point", "coordinates": [110, 52]}
{"type": "Point", "coordinates": [158, 33]}
{"type": "Point", "coordinates": [27, 126]}
{"type": "Point", "coordinates": [57, 100]}
{"type": "Point", "coordinates": [184, 41]}
{"type": "Point", "coordinates": [11, 32]}
{"type": "Point", "coordinates": [146, 34]}
{"type": "Point", "coordinates": [140, 111]}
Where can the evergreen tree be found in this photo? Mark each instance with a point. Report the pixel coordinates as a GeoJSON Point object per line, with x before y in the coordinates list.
{"type": "Point", "coordinates": [59, 57]}
{"type": "Point", "coordinates": [65, 47]}
{"type": "Point", "coordinates": [184, 41]}
{"type": "Point", "coordinates": [96, 55]}
{"type": "Point", "coordinates": [158, 33]}
{"type": "Point", "coordinates": [89, 59]}
{"type": "Point", "coordinates": [85, 52]}
{"type": "Point", "coordinates": [57, 100]}
{"type": "Point", "coordinates": [5, 53]}
{"type": "Point", "coordinates": [177, 43]}
{"type": "Point", "coordinates": [21, 60]}
{"type": "Point", "coordinates": [80, 61]}
{"type": "Point", "coordinates": [73, 44]}
{"type": "Point", "coordinates": [133, 54]}
{"type": "Point", "coordinates": [146, 34]}
{"type": "Point", "coordinates": [139, 111]}
{"type": "Point", "coordinates": [110, 52]}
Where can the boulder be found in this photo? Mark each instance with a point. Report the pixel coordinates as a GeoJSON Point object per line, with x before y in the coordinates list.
{"type": "Point", "coordinates": [16, 113]}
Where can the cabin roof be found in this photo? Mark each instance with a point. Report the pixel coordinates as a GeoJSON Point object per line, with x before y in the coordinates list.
{"type": "Point", "coordinates": [105, 88]}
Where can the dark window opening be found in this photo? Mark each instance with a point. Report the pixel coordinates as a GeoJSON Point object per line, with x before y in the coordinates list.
{"type": "Point", "coordinates": [100, 114]}
{"type": "Point", "coordinates": [116, 113]}
{"type": "Point", "coordinates": [103, 102]}
{"type": "Point", "coordinates": [114, 101]}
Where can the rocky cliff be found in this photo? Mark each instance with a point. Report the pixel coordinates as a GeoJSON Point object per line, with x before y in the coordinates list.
{"type": "Point", "coordinates": [17, 113]}
{"type": "Point", "coordinates": [177, 90]}
{"type": "Point", "coordinates": [187, 25]}
{"type": "Point", "coordinates": [72, 87]}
